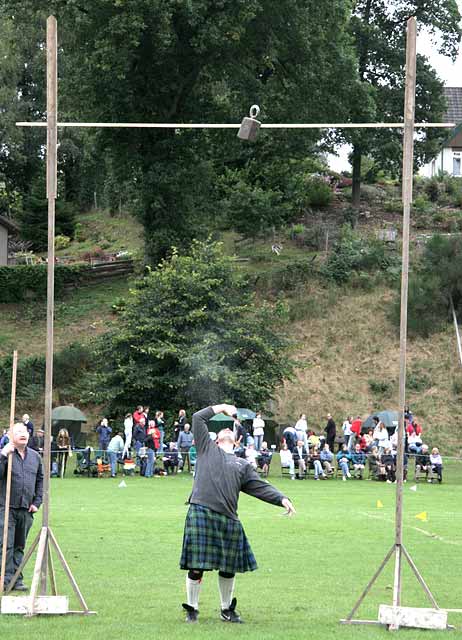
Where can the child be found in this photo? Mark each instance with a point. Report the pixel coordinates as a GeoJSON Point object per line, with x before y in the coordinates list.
{"type": "Point", "coordinates": [437, 463]}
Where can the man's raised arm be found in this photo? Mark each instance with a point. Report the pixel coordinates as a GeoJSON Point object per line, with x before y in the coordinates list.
{"type": "Point", "coordinates": [199, 423]}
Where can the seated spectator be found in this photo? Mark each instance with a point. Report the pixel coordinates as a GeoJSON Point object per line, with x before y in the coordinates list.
{"type": "Point", "coordinates": [343, 461]}
{"type": "Point", "coordinates": [358, 458]}
{"type": "Point", "coordinates": [327, 458]}
{"type": "Point", "coordinates": [437, 463]}
{"type": "Point", "coordinates": [414, 442]}
{"type": "Point", "coordinates": [287, 461]}
{"type": "Point", "coordinates": [422, 461]}
{"type": "Point", "coordinates": [264, 459]}
{"type": "Point", "coordinates": [313, 440]}
{"type": "Point", "coordinates": [316, 464]}
{"type": "Point", "coordinates": [376, 467]}
{"type": "Point", "coordinates": [414, 427]}
{"type": "Point", "coordinates": [170, 459]}
{"type": "Point", "coordinates": [300, 456]}
{"type": "Point", "coordinates": [251, 455]}
{"type": "Point", "coordinates": [388, 461]}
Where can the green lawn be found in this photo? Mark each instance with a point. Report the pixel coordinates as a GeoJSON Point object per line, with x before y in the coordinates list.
{"type": "Point", "coordinates": [123, 545]}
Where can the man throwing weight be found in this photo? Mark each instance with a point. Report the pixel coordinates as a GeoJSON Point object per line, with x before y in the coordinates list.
{"type": "Point", "coordinates": [214, 538]}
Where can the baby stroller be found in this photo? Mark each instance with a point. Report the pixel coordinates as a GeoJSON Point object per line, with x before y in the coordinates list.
{"type": "Point", "coordinates": [86, 463]}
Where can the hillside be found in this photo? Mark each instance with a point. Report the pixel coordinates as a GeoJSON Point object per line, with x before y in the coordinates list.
{"type": "Point", "coordinates": [344, 342]}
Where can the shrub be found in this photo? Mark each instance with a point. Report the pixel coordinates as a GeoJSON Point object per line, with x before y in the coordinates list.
{"type": "Point", "coordinates": [21, 282]}
{"type": "Point", "coordinates": [433, 189]}
{"type": "Point", "coordinates": [61, 242]}
{"type": "Point", "coordinates": [318, 193]}
{"type": "Point", "coordinates": [418, 381]}
{"type": "Point", "coordinates": [421, 204]}
{"type": "Point", "coordinates": [381, 388]}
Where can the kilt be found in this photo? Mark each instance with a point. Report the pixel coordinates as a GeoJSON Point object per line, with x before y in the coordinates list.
{"type": "Point", "coordinates": [213, 541]}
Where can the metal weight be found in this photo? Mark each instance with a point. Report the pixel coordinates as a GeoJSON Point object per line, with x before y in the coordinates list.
{"type": "Point", "coordinates": [250, 125]}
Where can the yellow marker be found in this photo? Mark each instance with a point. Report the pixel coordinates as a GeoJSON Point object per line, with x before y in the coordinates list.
{"type": "Point", "coordinates": [379, 504]}
{"type": "Point", "coordinates": [422, 516]}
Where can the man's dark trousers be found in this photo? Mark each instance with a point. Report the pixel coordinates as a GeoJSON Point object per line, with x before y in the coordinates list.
{"type": "Point", "coordinates": [19, 524]}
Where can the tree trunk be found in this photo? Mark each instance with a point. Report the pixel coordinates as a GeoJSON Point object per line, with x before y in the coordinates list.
{"type": "Point", "coordinates": [356, 188]}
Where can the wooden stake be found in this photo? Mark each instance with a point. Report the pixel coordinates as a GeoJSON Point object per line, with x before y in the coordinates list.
{"type": "Point", "coordinates": [68, 572]}
{"type": "Point", "coordinates": [25, 560]}
{"type": "Point", "coordinates": [42, 549]}
{"type": "Point", "coordinates": [8, 476]}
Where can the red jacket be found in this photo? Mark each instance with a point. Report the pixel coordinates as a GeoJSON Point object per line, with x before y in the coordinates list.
{"type": "Point", "coordinates": [414, 428]}
{"type": "Point", "coordinates": [356, 426]}
{"type": "Point", "coordinates": [137, 415]}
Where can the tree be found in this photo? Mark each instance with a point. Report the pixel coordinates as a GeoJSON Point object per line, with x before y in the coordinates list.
{"type": "Point", "coordinates": [378, 28]}
{"type": "Point", "coordinates": [431, 287]}
{"type": "Point", "coordinates": [193, 334]}
{"type": "Point", "coordinates": [204, 60]}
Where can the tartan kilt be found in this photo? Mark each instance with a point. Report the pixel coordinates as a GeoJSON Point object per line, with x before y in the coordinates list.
{"type": "Point", "coordinates": [212, 541]}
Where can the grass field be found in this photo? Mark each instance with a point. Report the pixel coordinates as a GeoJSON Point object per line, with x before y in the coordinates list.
{"type": "Point", "coordinates": [123, 545]}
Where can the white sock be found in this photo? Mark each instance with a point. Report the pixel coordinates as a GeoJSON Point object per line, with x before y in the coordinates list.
{"type": "Point", "coordinates": [193, 588]}
{"type": "Point", "coordinates": [226, 586]}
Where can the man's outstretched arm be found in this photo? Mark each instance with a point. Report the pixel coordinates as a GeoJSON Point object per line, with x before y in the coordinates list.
{"type": "Point", "coordinates": [255, 486]}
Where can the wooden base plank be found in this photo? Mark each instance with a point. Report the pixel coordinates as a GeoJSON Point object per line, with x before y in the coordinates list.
{"type": "Point", "coordinates": [49, 605]}
{"type": "Point", "coordinates": [418, 618]}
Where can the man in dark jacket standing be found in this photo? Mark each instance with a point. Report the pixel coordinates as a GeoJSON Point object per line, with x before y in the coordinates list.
{"type": "Point", "coordinates": [214, 538]}
{"type": "Point", "coordinates": [330, 431]}
{"type": "Point", "coordinates": [25, 499]}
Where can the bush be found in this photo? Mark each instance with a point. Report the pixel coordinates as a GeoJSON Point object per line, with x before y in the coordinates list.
{"type": "Point", "coordinates": [381, 388]}
{"type": "Point", "coordinates": [61, 242]}
{"type": "Point", "coordinates": [433, 189]}
{"type": "Point", "coordinates": [21, 282]}
{"type": "Point", "coordinates": [421, 204]}
{"type": "Point", "coordinates": [318, 193]}
{"type": "Point", "coordinates": [418, 381]}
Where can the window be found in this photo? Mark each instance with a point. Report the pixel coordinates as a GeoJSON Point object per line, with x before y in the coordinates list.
{"type": "Point", "coordinates": [456, 166]}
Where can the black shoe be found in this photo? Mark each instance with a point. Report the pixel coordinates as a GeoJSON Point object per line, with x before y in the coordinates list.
{"type": "Point", "coordinates": [20, 586]}
{"type": "Point", "coordinates": [230, 615]}
{"type": "Point", "coordinates": [191, 613]}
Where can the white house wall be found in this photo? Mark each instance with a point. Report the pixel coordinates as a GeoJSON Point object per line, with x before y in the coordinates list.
{"type": "Point", "coordinates": [3, 246]}
{"type": "Point", "coordinates": [443, 162]}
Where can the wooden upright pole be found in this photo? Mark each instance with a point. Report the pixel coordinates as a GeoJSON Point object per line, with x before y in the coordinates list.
{"type": "Point", "coordinates": [8, 476]}
{"type": "Point", "coordinates": [408, 174]}
{"type": "Point", "coordinates": [456, 327]}
{"type": "Point", "coordinates": [52, 135]}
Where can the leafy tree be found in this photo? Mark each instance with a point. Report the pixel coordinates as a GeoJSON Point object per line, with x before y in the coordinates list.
{"type": "Point", "coordinates": [378, 28]}
{"type": "Point", "coordinates": [437, 279]}
{"type": "Point", "coordinates": [193, 333]}
{"type": "Point", "coordinates": [204, 60]}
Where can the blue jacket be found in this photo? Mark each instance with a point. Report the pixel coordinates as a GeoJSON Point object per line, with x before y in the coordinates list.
{"type": "Point", "coordinates": [358, 458]}
{"type": "Point", "coordinates": [104, 433]}
{"type": "Point", "coordinates": [344, 454]}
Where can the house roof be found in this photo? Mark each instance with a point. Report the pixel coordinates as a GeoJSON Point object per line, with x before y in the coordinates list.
{"type": "Point", "coordinates": [9, 224]}
{"type": "Point", "coordinates": [454, 97]}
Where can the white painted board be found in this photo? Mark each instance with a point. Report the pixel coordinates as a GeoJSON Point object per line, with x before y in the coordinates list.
{"type": "Point", "coordinates": [413, 617]}
{"type": "Point", "coordinates": [51, 605]}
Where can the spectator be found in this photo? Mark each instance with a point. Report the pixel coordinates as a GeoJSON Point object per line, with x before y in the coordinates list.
{"type": "Point", "coordinates": [376, 467]}
{"type": "Point", "coordinates": [414, 442]}
{"type": "Point", "coordinates": [422, 461]}
{"type": "Point", "coordinates": [160, 424]}
{"type": "Point", "coordinates": [4, 439]}
{"type": "Point", "coordinates": [171, 460]}
{"type": "Point", "coordinates": [184, 444]}
{"type": "Point", "coordinates": [330, 431]}
{"type": "Point", "coordinates": [358, 458]}
{"type": "Point", "coordinates": [369, 440]}
{"type": "Point", "coordinates": [63, 443]}
{"type": "Point", "coordinates": [264, 459]}
{"type": "Point", "coordinates": [138, 414]}
{"type": "Point", "coordinates": [290, 436]}
{"type": "Point", "coordinates": [37, 442]}
{"type": "Point", "coordinates": [356, 426]}
{"type": "Point", "coordinates": [240, 436]}
{"type": "Point", "coordinates": [301, 427]}
{"type": "Point", "coordinates": [193, 457]}
{"type": "Point", "coordinates": [414, 427]}
{"type": "Point", "coordinates": [258, 430]}
{"type": "Point", "coordinates": [388, 461]}
{"type": "Point", "coordinates": [151, 443]}
{"type": "Point", "coordinates": [104, 434]}
{"type": "Point", "coordinates": [343, 461]}
{"type": "Point", "coordinates": [146, 415]}
{"type": "Point", "coordinates": [313, 440]}
{"type": "Point", "coordinates": [347, 433]}
{"type": "Point", "coordinates": [287, 461]}
{"type": "Point", "coordinates": [381, 437]}
{"type": "Point", "coordinates": [315, 463]}
{"type": "Point", "coordinates": [437, 463]}
{"type": "Point", "coordinates": [139, 434]}
{"type": "Point", "coordinates": [327, 457]}
{"type": "Point", "coordinates": [251, 455]}
{"type": "Point", "coordinates": [300, 457]}
{"type": "Point", "coordinates": [114, 450]}
{"type": "Point", "coordinates": [128, 432]}
{"type": "Point", "coordinates": [179, 424]}
{"type": "Point", "coordinates": [28, 424]}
